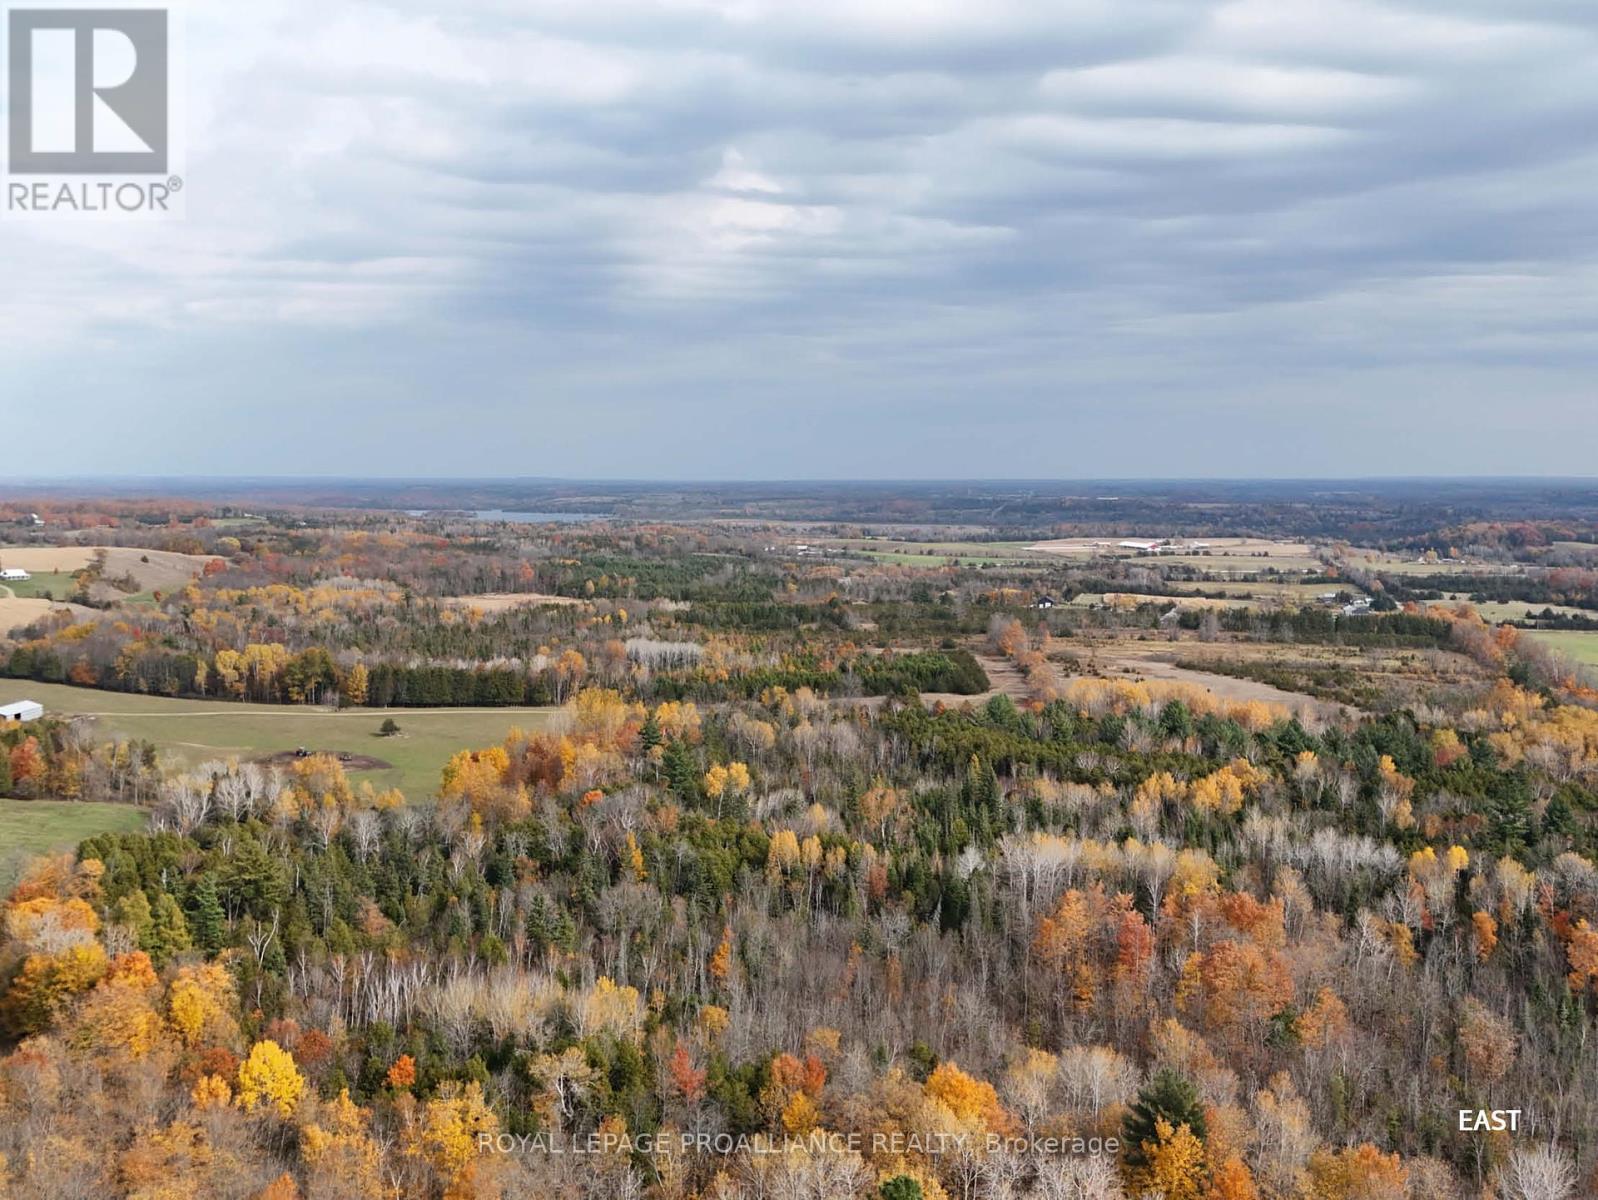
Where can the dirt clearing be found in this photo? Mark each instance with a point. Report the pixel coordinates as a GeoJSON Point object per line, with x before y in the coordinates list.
{"type": "Point", "coordinates": [350, 762]}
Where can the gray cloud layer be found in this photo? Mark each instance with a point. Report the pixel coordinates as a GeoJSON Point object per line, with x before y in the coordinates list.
{"type": "Point", "coordinates": [849, 237]}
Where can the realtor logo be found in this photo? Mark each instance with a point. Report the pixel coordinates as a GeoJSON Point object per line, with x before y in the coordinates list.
{"type": "Point", "coordinates": [89, 91]}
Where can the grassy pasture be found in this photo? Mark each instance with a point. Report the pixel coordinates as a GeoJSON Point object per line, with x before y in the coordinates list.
{"type": "Point", "coordinates": [53, 585]}
{"type": "Point", "coordinates": [1578, 645]}
{"type": "Point", "coordinates": [193, 731]}
{"type": "Point", "coordinates": [29, 827]}
{"type": "Point", "coordinates": [935, 553]}
{"type": "Point", "coordinates": [1513, 610]}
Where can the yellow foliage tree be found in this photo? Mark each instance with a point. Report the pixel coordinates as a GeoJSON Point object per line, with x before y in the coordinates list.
{"type": "Point", "coordinates": [450, 1128]}
{"type": "Point", "coordinates": [200, 1003]}
{"type": "Point", "coordinates": [1175, 1169]}
{"type": "Point", "coordinates": [340, 1153]}
{"type": "Point", "coordinates": [268, 1078]}
{"type": "Point", "coordinates": [800, 1116]}
{"type": "Point", "coordinates": [971, 1100]}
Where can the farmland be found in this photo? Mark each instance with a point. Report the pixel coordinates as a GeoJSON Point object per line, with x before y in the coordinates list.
{"type": "Point", "coordinates": [145, 571]}
{"type": "Point", "coordinates": [17, 611]}
{"type": "Point", "coordinates": [189, 732]}
{"type": "Point", "coordinates": [934, 552]}
{"type": "Point", "coordinates": [49, 585]}
{"type": "Point", "coordinates": [1580, 646]}
{"type": "Point", "coordinates": [30, 827]}
{"type": "Point", "coordinates": [1222, 556]}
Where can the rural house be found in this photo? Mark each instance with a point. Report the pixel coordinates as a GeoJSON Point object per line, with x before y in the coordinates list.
{"type": "Point", "coordinates": [22, 710]}
{"type": "Point", "coordinates": [14, 575]}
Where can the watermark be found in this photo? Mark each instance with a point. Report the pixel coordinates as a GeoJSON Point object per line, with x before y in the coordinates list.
{"type": "Point", "coordinates": [820, 1142]}
{"type": "Point", "coordinates": [1489, 1120]}
{"type": "Point", "coordinates": [91, 119]}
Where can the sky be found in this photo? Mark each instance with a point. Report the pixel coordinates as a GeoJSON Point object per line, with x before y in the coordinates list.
{"type": "Point", "coordinates": [845, 238]}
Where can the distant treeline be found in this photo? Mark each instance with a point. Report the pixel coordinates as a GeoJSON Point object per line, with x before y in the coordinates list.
{"type": "Point", "coordinates": [311, 675]}
{"type": "Point", "coordinates": [953, 671]}
{"type": "Point", "coordinates": [1394, 629]}
{"type": "Point", "coordinates": [1577, 589]}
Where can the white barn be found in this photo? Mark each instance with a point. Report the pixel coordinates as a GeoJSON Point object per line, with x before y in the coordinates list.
{"type": "Point", "coordinates": [14, 575]}
{"type": "Point", "coordinates": [22, 710]}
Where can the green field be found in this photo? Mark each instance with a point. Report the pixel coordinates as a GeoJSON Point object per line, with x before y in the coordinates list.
{"type": "Point", "coordinates": [52, 585]}
{"type": "Point", "coordinates": [192, 731]}
{"type": "Point", "coordinates": [937, 554]}
{"type": "Point", "coordinates": [1514, 610]}
{"type": "Point", "coordinates": [29, 827]}
{"type": "Point", "coordinates": [1578, 645]}
{"type": "Point", "coordinates": [1409, 566]}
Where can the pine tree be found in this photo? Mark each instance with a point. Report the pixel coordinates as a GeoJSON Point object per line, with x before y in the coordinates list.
{"type": "Point", "coordinates": [680, 774]}
{"type": "Point", "coordinates": [209, 927]}
{"type": "Point", "coordinates": [540, 924]}
{"type": "Point", "coordinates": [649, 736]}
{"type": "Point", "coordinates": [1167, 1097]}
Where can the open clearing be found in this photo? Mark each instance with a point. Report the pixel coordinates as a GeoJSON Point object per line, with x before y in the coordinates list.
{"type": "Point", "coordinates": [1120, 658]}
{"type": "Point", "coordinates": [15, 612]}
{"type": "Point", "coordinates": [193, 731]}
{"type": "Point", "coordinates": [1221, 556]}
{"type": "Point", "coordinates": [49, 585]}
{"type": "Point", "coordinates": [1514, 610]}
{"type": "Point", "coordinates": [497, 602]}
{"type": "Point", "coordinates": [1392, 564]}
{"type": "Point", "coordinates": [153, 570]}
{"type": "Point", "coordinates": [1580, 646]}
{"type": "Point", "coordinates": [1261, 548]}
{"type": "Point", "coordinates": [29, 827]}
{"type": "Point", "coordinates": [903, 552]}
{"type": "Point", "coordinates": [1156, 664]}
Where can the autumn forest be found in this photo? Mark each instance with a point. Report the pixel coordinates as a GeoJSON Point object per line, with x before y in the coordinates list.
{"type": "Point", "coordinates": [1230, 847]}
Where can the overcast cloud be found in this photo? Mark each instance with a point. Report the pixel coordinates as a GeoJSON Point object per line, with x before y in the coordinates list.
{"type": "Point", "coordinates": [879, 238]}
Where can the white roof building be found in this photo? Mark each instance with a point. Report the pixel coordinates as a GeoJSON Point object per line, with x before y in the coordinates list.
{"type": "Point", "coordinates": [14, 575]}
{"type": "Point", "coordinates": [22, 710]}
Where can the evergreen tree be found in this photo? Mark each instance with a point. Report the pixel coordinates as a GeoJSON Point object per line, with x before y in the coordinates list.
{"type": "Point", "coordinates": [1167, 1097]}
{"type": "Point", "coordinates": [1176, 720]}
{"type": "Point", "coordinates": [649, 736]}
{"type": "Point", "coordinates": [681, 776]}
{"type": "Point", "coordinates": [209, 926]}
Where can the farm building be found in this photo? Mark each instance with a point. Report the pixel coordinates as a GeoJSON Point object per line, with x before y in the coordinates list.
{"type": "Point", "coordinates": [14, 575]}
{"type": "Point", "coordinates": [22, 710]}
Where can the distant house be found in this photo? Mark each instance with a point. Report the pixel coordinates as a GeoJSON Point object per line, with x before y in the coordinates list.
{"type": "Point", "coordinates": [22, 710]}
{"type": "Point", "coordinates": [35, 520]}
{"type": "Point", "coordinates": [14, 575]}
{"type": "Point", "coordinates": [1044, 602]}
{"type": "Point", "coordinates": [1136, 544]}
